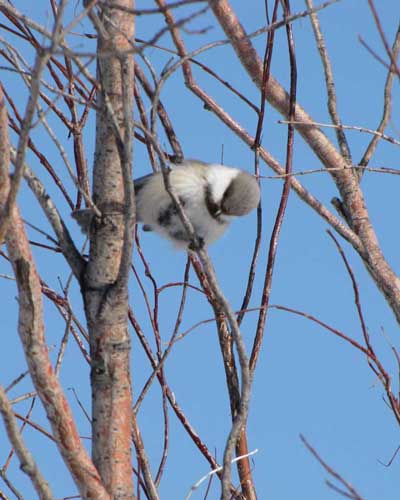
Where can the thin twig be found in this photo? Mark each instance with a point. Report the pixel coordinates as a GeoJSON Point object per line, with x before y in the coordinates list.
{"type": "Point", "coordinates": [28, 464]}
{"type": "Point", "coordinates": [387, 107]}
{"type": "Point", "coordinates": [16, 381]}
{"type": "Point", "coordinates": [330, 84]}
{"type": "Point", "coordinates": [330, 471]}
{"type": "Point", "coordinates": [355, 290]}
{"type": "Point", "coordinates": [378, 170]}
{"type": "Point", "coordinates": [379, 134]}
{"type": "Point", "coordinates": [378, 23]}
{"type": "Point", "coordinates": [65, 241]}
{"type": "Point", "coordinates": [40, 64]}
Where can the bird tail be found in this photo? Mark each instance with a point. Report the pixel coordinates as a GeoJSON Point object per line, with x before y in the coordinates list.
{"type": "Point", "coordinates": [139, 184]}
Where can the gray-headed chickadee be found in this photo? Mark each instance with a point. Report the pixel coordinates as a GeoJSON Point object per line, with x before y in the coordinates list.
{"type": "Point", "coordinates": [211, 196]}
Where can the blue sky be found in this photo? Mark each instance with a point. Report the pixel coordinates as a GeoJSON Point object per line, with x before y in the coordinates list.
{"type": "Point", "coordinates": [307, 380]}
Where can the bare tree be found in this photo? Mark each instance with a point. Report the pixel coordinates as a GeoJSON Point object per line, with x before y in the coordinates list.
{"type": "Point", "coordinates": [87, 75]}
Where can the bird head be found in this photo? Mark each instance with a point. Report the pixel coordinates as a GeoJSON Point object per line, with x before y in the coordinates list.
{"type": "Point", "coordinates": [241, 196]}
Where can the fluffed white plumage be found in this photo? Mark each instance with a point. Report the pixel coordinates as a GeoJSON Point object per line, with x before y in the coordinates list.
{"type": "Point", "coordinates": [211, 196]}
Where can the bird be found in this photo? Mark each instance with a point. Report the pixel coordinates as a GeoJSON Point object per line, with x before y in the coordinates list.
{"type": "Point", "coordinates": [211, 195]}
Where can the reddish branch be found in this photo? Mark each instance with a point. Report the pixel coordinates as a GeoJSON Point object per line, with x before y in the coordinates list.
{"type": "Point", "coordinates": [284, 197]}
{"type": "Point", "coordinates": [257, 146]}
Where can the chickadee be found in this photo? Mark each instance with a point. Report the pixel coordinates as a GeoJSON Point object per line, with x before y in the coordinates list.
{"type": "Point", "coordinates": [211, 195]}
